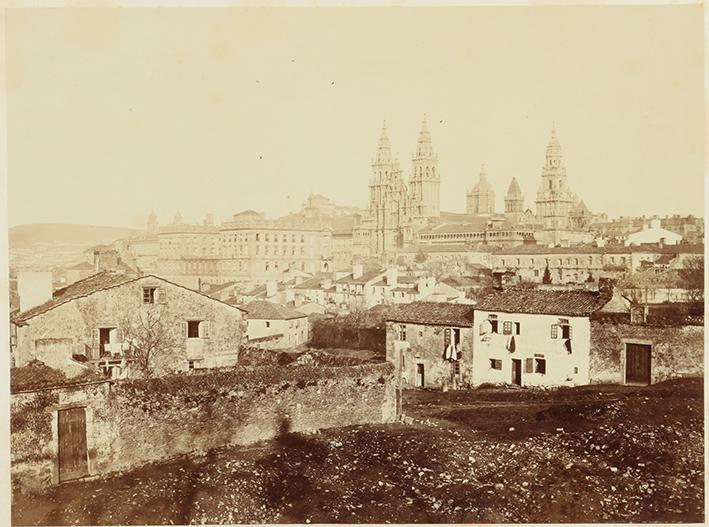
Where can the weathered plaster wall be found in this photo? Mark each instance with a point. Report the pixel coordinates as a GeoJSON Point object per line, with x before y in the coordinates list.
{"type": "Point", "coordinates": [677, 351]}
{"type": "Point", "coordinates": [140, 421]}
{"type": "Point", "coordinates": [424, 344]}
{"type": "Point", "coordinates": [534, 341]}
{"type": "Point", "coordinates": [113, 307]}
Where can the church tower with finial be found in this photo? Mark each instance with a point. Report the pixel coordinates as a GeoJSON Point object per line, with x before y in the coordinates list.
{"type": "Point", "coordinates": [425, 182]}
{"type": "Point", "coordinates": [514, 202]}
{"type": "Point", "coordinates": [388, 199]}
{"type": "Point", "coordinates": [554, 198]}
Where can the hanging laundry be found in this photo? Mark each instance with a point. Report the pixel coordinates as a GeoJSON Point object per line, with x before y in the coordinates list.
{"type": "Point", "coordinates": [449, 352]}
{"type": "Point", "coordinates": [485, 327]}
{"type": "Point", "coordinates": [567, 345]}
{"type": "Point", "coordinates": [458, 351]}
{"type": "Point", "coordinates": [511, 345]}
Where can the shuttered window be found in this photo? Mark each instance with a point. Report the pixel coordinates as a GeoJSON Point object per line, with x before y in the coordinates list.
{"type": "Point", "coordinates": [554, 331]}
{"type": "Point", "coordinates": [528, 365]}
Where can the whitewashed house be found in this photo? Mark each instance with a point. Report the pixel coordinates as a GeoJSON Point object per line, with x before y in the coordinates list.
{"type": "Point", "coordinates": [534, 337]}
{"type": "Point", "coordinates": [275, 326]}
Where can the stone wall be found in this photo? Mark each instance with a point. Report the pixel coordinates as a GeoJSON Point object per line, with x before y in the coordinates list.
{"type": "Point", "coordinates": [140, 421]}
{"type": "Point", "coordinates": [677, 350]}
{"type": "Point", "coordinates": [424, 345]}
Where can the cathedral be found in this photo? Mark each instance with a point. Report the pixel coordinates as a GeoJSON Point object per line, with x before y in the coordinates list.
{"type": "Point", "coordinates": [403, 213]}
{"type": "Point", "coordinates": [397, 209]}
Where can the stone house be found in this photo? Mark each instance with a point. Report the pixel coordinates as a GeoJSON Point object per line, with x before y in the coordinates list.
{"type": "Point", "coordinates": [275, 326]}
{"type": "Point", "coordinates": [431, 344]}
{"type": "Point", "coordinates": [113, 321]}
{"type": "Point", "coordinates": [647, 344]}
{"type": "Point", "coordinates": [532, 337]}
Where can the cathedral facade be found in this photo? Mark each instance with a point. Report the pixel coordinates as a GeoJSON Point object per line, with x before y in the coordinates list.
{"type": "Point", "coordinates": [397, 208]}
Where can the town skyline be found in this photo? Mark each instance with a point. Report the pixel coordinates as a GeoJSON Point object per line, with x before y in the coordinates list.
{"type": "Point", "coordinates": [259, 127]}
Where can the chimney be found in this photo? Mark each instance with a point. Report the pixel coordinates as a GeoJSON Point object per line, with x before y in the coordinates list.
{"type": "Point", "coordinates": [392, 275]}
{"type": "Point", "coordinates": [34, 288]}
{"type": "Point", "coordinates": [105, 260]}
{"type": "Point", "coordinates": [271, 289]}
{"type": "Point", "coordinates": [606, 285]}
{"type": "Point", "coordinates": [357, 270]}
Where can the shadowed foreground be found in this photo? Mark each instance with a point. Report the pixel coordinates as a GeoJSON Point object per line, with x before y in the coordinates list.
{"type": "Point", "coordinates": [598, 454]}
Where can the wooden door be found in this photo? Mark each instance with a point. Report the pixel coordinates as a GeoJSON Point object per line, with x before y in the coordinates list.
{"type": "Point", "coordinates": [419, 376]}
{"type": "Point", "coordinates": [73, 460]}
{"type": "Point", "coordinates": [517, 372]}
{"type": "Point", "coordinates": [637, 363]}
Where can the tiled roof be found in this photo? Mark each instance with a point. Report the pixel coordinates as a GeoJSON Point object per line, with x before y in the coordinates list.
{"type": "Point", "coordinates": [262, 310]}
{"type": "Point", "coordinates": [520, 300]}
{"type": "Point", "coordinates": [85, 287]}
{"type": "Point", "coordinates": [88, 286]}
{"type": "Point", "coordinates": [608, 249]}
{"type": "Point", "coordinates": [434, 313]}
{"type": "Point", "coordinates": [314, 282]}
{"type": "Point", "coordinates": [366, 277]}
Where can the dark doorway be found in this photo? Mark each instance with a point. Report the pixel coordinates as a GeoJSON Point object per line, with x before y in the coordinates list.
{"type": "Point", "coordinates": [419, 376]}
{"type": "Point", "coordinates": [517, 372]}
{"type": "Point", "coordinates": [72, 454]}
{"type": "Point", "coordinates": [637, 363]}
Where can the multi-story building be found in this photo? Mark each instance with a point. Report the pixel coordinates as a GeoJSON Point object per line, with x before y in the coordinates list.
{"type": "Point", "coordinates": [249, 248]}
{"type": "Point", "coordinates": [584, 263]}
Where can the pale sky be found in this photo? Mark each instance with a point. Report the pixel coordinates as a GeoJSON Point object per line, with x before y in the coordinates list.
{"type": "Point", "coordinates": [114, 112]}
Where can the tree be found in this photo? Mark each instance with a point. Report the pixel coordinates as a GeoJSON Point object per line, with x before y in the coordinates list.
{"type": "Point", "coordinates": [692, 276]}
{"type": "Point", "coordinates": [546, 279]}
{"type": "Point", "coordinates": [151, 341]}
{"type": "Point", "coordinates": [420, 257]}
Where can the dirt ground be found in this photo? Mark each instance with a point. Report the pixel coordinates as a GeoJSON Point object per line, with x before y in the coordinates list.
{"type": "Point", "coordinates": [589, 454]}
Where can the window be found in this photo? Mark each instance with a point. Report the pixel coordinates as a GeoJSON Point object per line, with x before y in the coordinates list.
{"type": "Point", "coordinates": [268, 324]}
{"type": "Point", "coordinates": [576, 369]}
{"type": "Point", "coordinates": [554, 331]}
{"type": "Point", "coordinates": [517, 328]}
{"type": "Point", "coordinates": [402, 331]}
{"type": "Point", "coordinates": [149, 295]}
{"type": "Point", "coordinates": [456, 368]}
{"type": "Point", "coordinates": [258, 236]}
{"type": "Point", "coordinates": [507, 327]}
{"type": "Point", "coordinates": [194, 364]}
{"type": "Point", "coordinates": [540, 366]}
{"type": "Point", "coordinates": [193, 329]}
{"type": "Point", "coordinates": [493, 323]}
{"type": "Point", "coordinates": [496, 364]}
{"type": "Point", "coordinates": [565, 331]}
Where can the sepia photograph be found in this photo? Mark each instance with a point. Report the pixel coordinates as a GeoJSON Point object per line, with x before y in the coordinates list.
{"type": "Point", "coordinates": [353, 263]}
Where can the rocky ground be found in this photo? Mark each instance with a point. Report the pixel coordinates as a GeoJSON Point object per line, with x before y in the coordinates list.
{"type": "Point", "coordinates": [593, 454]}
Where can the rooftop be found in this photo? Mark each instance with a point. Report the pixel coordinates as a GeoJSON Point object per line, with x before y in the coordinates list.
{"type": "Point", "coordinates": [262, 310]}
{"type": "Point", "coordinates": [433, 313]}
{"type": "Point", "coordinates": [543, 302]}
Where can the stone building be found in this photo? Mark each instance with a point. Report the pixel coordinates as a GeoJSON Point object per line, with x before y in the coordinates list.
{"type": "Point", "coordinates": [113, 321]}
{"type": "Point", "coordinates": [481, 198]}
{"type": "Point", "coordinates": [514, 203]}
{"type": "Point", "coordinates": [431, 344]}
{"type": "Point", "coordinates": [397, 209]}
{"type": "Point", "coordinates": [585, 263]}
{"type": "Point", "coordinates": [647, 345]}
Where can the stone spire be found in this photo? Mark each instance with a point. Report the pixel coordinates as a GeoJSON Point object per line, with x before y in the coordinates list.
{"type": "Point", "coordinates": [384, 148]}
{"type": "Point", "coordinates": [178, 218]}
{"type": "Point", "coordinates": [514, 200]}
{"type": "Point", "coordinates": [152, 223]}
{"type": "Point", "coordinates": [424, 148]}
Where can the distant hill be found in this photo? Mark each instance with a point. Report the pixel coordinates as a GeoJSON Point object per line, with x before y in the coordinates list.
{"type": "Point", "coordinates": [26, 235]}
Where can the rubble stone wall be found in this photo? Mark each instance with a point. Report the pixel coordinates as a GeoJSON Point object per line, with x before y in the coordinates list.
{"type": "Point", "coordinates": [142, 421]}
{"type": "Point", "coordinates": [677, 351]}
